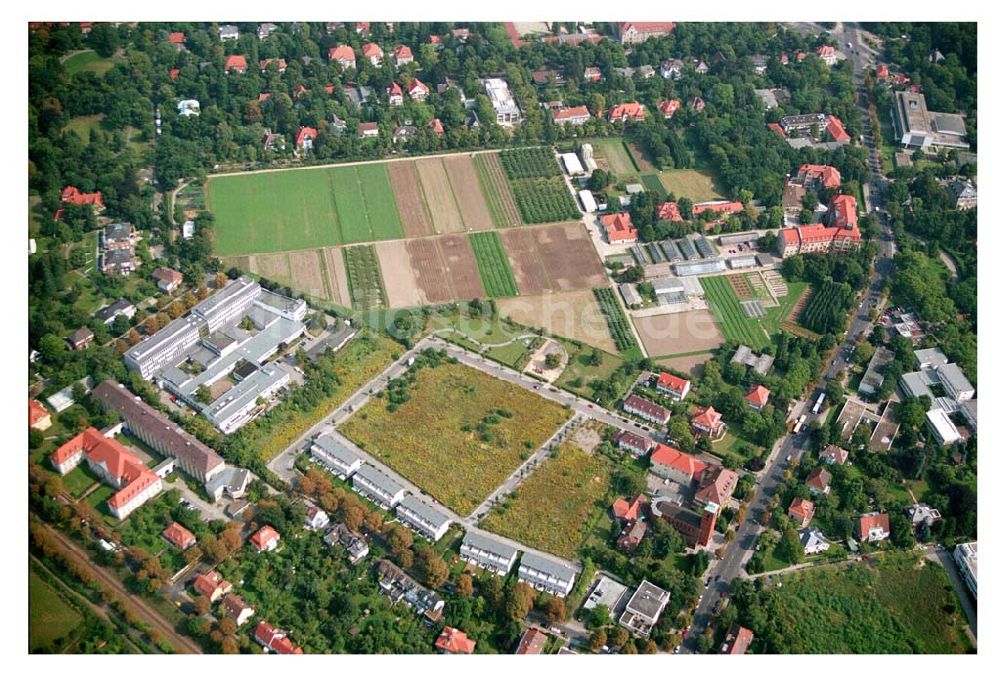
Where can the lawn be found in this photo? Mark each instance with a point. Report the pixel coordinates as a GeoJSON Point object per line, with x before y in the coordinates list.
{"type": "Point", "coordinates": [459, 434]}
{"type": "Point", "coordinates": [494, 268]}
{"type": "Point", "coordinates": [79, 480]}
{"type": "Point", "coordinates": [613, 151]}
{"type": "Point", "coordinates": [88, 61]}
{"type": "Point", "coordinates": [302, 209]}
{"type": "Point", "coordinates": [729, 315]}
{"type": "Point", "coordinates": [550, 508]}
{"type": "Point", "coordinates": [83, 124]}
{"type": "Point", "coordinates": [694, 184]}
{"type": "Point", "coordinates": [580, 369]}
{"type": "Point", "coordinates": [49, 616]}
{"type": "Point", "coordinates": [775, 316]}
{"type": "Point", "coordinates": [863, 608]}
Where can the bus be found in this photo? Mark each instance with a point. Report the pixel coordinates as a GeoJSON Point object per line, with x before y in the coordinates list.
{"type": "Point", "coordinates": [819, 403]}
{"type": "Point", "coordinates": [798, 424]}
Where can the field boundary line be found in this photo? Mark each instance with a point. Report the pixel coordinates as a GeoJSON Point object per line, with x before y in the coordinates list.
{"type": "Point", "coordinates": [364, 200]}
{"type": "Point", "coordinates": [321, 257]}
{"type": "Point", "coordinates": [333, 208]}
{"type": "Point", "coordinates": [454, 195]}
{"type": "Point", "coordinates": [445, 267]}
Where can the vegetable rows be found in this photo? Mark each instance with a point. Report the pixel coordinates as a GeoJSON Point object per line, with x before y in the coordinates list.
{"type": "Point", "coordinates": [733, 321]}
{"type": "Point", "coordinates": [617, 322]}
{"type": "Point", "coordinates": [494, 268]}
{"type": "Point", "coordinates": [364, 277]}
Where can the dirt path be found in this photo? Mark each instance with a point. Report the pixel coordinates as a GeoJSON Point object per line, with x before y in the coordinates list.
{"type": "Point", "coordinates": [142, 609]}
{"type": "Point", "coordinates": [949, 263]}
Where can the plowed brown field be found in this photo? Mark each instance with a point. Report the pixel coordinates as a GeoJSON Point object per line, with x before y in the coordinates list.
{"type": "Point", "coordinates": [465, 186]}
{"type": "Point", "coordinates": [409, 199]}
{"type": "Point", "coordinates": [463, 274]}
{"type": "Point", "coordinates": [440, 199]}
{"type": "Point", "coordinates": [429, 270]}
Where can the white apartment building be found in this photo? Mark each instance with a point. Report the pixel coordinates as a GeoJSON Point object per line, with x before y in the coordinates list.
{"type": "Point", "coordinates": [967, 559]}
{"type": "Point", "coordinates": [546, 575]}
{"type": "Point", "coordinates": [498, 92]}
{"type": "Point", "coordinates": [332, 453]}
{"type": "Point", "coordinates": [423, 518]}
{"type": "Point", "coordinates": [377, 487]}
{"type": "Point", "coordinates": [487, 553]}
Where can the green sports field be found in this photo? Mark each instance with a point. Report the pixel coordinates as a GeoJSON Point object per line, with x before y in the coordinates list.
{"type": "Point", "coordinates": [302, 209]}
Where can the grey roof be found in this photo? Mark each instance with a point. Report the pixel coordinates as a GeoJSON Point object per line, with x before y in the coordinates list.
{"type": "Point", "coordinates": [481, 541]}
{"type": "Point", "coordinates": [953, 377]}
{"type": "Point", "coordinates": [336, 449]}
{"type": "Point", "coordinates": [424, 510]}
{"type": "Point", "coordinates": [109, 312]}
{"type": "Point", "coordinates": [379, 479]}
{"type": "Point", "coordinates": [243, 393]}
{"type": "Point", "coordinates": [648, 600]}
{"type": "Point", "coordinates": [970, 409]}
{"type": "Point", "coordinates": [811, 536]}
{"type": "Point", "coordinates": [933, 357]}
{"type": "Point", "coordinates": [224, 297]}
{"type": "Point", "coordinates": [699, 267]}
{"type": "Point", "coordinates": [551, 567]}
{"type": "Point", "coordinates": [916, 384]}
{"type": "Point", "coordinates": [232, 479]}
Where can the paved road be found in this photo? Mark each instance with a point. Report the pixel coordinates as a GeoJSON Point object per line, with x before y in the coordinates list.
{"type": "Point", "coordinates": [739, 551]}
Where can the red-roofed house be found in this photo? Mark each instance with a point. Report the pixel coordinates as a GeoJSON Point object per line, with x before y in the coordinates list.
{"type": "Point", "coordinates": [167, 279]}
{"type": "Point", "coordinates": [454, 641]}
{"type": "Point", "coordinates": [835, 128]}
{"type": "Point", "coordinates": [176, 39]}
{"type": "Point", "coordinates": [841, 234]}
{"type": "Point", "coordinates": [637, 445]}
{"type": "Point", "coordinates": [343, 55]}
{"type": "Point", "coordinates": [299, 92]}
{"type": "Point", "coordinates": [823, 175]}
{"type": "Point", "coordinates": [179, 536]}
{"type": "Point", "coordinates": [775, 127]}
{"type": "Point", "coordinates": [263, 96]}
{"type": "Point", "coordinates": [668, 107]}
{"type": "Point", "coordinates": [38, 417]}
{"type": "Point", "coordinates": [827, 54]}
{"type": "Point", "coordinates": [361, 27]}
{"type": "Point", "coordinates": [833, 455]}
{"type": "Point", "coordinates": [436, 127]}
{"type": "Point", "coordinates": [418, 90]}
{"type": "Point", "coordinates": [623, 112]}
{"type": "Point", "coordinates": [737, 640]}
{"type": "Point", "coordinates": [402, 55]}
{"type": "Point", "coordinates": [212, 585]}
{"type": "Point", "coordinates": [707, 421]}
{"type": "Point", "coordinates": [646, 410]}
{"type": "Point", "coordinates": [757, 397]}
{"type": "Point", "coordinates": [367, 130]}
{"type": "Point", "coordinates": [395, 93]}
{"type": "Point", "coordinates": [532, 642]}
{"type": "Point", "coordinates": [716, 487]}
{"type": "Point", "coordinates": [114, 464]}
{"type": "Point", "coordinates": [373, 53]}
{"type": "Point", "coordinates": [801, 511]}
{"type": "Point", "coordinates": [697, 104]}
{"type": "Point", "coordinates": [576, 115]}
{"type": "Point", "coordinates": [266, 538]}
{"type": "Point", "coordinates": [673, 464]}
{"type": "Point", "coordinates": [873, 527]}
{"type": "Point", "coordinates": [264, 63]}
{"type": "Point", "coordinates": [819, 481]}
{"type": "Point", "coordinates": [328, 88]}
{"type": "Point", "coordinates": [629, 511]}
{"type": "Point", "coordinates": [636, 32]}
{"type": "Point", "coordinates": [275, 640]}
{"type": "Point", "coordinates": [673, 386]}
{"type": "Point", "coordinates": [175, 73]}
{"type": "Point", "coordinates": [592, 74]}
{"type": "Point", "coordinates": [669, 211]}
{"type": "Point", "coordinates": [723, 208]}
{"type": "Point", "coordinates": [239, 610]}
{"type": "Point", "coordinates": [436, 40]}
{"type": "Point", "coordinates": [236, 62]}
{"type": "Point", "coordinates": [619, 228]}
{"type": "Point", "coordinates": [71, 195]}
{"type": "Point", "coordinates": [305, 137]}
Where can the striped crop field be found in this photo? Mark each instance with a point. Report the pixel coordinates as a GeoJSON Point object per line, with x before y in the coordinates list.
{"type": "Point", "coordinates": [494, 268]}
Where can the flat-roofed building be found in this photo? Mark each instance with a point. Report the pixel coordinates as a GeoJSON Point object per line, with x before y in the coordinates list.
{"type": "Point", "coordinates": [377, 487]}
{"type": "Point", "coordinates": [700, 267]}
{"type": "Point", "coordinates": [644, 608]}
{"type": "Point", "coordinates": [498, 92]}
{"type": "Point", "coordinates": [967, 559]}
{"type": "Point", "coordinates": [970, 411]}
{"type": "Point", "coordinates": [572, 164]}
{"type": "Point", "coordinates": [917, 127]}
{"type": "Point", "coordinates": [335, 455]}
{"type": "Point", "coordinates": [487, 553]}
{"type": "Point", "coordinates": [630, 295]}
{"type": "Point", "coordinates": [872, 379]}
{"type": "Point", "coordinates": [942, 428]}
{"type": "Point", "coordinates": [587, 201]}
{"type": "Point", "coordinates": [955, 383]}
{"type": "Point", "coordinates": [930, 358]}
{"type": "Point", "coordinates": [423, 518]}
{"type": "Point", "coordinates": [546, 575]}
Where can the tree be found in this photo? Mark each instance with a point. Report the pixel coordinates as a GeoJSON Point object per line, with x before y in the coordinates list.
{"type": "Point", "coordinates": [35, 438]}
{"type": "Point", "coordinates": [617, 637]}
{"type": "Point", "coordinates": [432, 568]}
{"type": "Point", "coordinates": [599, 617]}
{"type": "Point", "coordinates": [552, 360]}
{"type": "Point", "coordinates": [398, 539]}
{"type": "Point", "coordinates": [520, 599]}
{"type": "Point", "coordinates": [464, 585]}
{"type": "Point", "coordinates": [598, 640]}
{"type": "Point", "coordinates": [203, 394]}
{"type": "Point", "coordinates": [555, 610]}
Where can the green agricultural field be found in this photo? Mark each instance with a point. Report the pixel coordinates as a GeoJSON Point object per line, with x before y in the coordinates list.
{"type": "Point", "coordinates": [88, 61]}
{"type": "Point", "coordinates": [693, 184]}
{"type": "Point", "coordinates": [499, 200]}
{"type": "Point", "coordinates": [551, 507]}
{"type": "Point", "coordinates": [775, 316]}
{"type": "Point", "coordinates": [364, 277]}
{"type": "Point", "coordinates": [265, 212]}
{"type": "Point", "coordinates": [613, 151]}
{"type": "Point", "coordinates": [455, 432]}
{"type": "Point", "coordinates": [729, 315]}
{"type": "Point", "coordinates": [494, 268]}
{"type": "Point", "coordinates": [618, 324]}
{"type": "Point", "coordinates": [49, 616]}
{"type": "Point", "coordinates": [866, 608]}
{"type": "Point", "coordinates": [652, 184]}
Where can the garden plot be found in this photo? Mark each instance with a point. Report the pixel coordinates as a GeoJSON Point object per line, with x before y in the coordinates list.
{"type": "Point", "coordinates": [678, 333]}
{"type": "Point", "coordinates": [753, 309]}
{"type": "Point", "coordinates": [409, 196]}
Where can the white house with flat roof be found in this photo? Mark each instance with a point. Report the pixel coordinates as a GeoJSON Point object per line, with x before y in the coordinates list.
{"type": "Point", "coordinates": [917, 127]}
{"type": "Point", "coordinates": [498, 92]}
{"type": "Point", "coordinates": [487, 553]}
{"type": "Point", "coordinates": [967, 559]}
{"type": "Point", "coordinates": [942, 428]}
{"type": "Point", "coordinates": [546, 575]}
{"type": "Point", "coordinates": [377, 487]}
{"type": "Point", "coordinates": [423, 518]}
{"type": "Point", "coordinates": [955, 383]}
{"type": "Point", "coordinates": [644, 609]}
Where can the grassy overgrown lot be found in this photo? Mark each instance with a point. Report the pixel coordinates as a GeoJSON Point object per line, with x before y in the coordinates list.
{"type": "Point", "coordinates": [551, 507]}
{"type": "Point", "coordinates": [494, 268]}
{"type": "Point", "coordinates": [83, 124]}
{"type": "Point", "coordinates": [364, 277]}
{"type": "Point", "coordinates": [301, 209]}
{"type": "Point", "coordinates": [693, 184]}
{"type": "Point", "coordinates": [88, 60]}
{"type": "Point", "coordinates": [729, 315]}
{"type": "Point", "coordinates": [49, 616]}
{"type": "Point", "coordinates": [454, 431]}
{"type": "Point", "coordinates": [896, 604]}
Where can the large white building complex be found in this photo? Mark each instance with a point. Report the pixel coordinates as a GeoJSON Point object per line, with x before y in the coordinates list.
{"type": "Point", "coordinates": [223, 345]}
{"type": "Point", "coordinates": [498, 91]}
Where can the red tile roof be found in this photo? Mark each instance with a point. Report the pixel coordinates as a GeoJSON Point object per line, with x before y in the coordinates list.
{"type": "Point", "coordinates": [569, 113]}
{"type": "Point", "coordinates": [741, 642]}
{"type": "Point", "coordinates": [824, 51]}
{"type": "Point", "coordinates": [179, 536]}
{"type": "Point", "coordinates": [873, 521]}
{"type": "Point", "coordinates": [370, 49]}
{"type": "Point", "coordinates": [341, 53]}
{"type": "Point", "coordinates": [453, 640]}
{"type": "Point", "coordinates": [36, 412]}
{"type": "Point", "coordinates": [305, 133]}
{"type": "Point", "coordinates": [176, 38]}
{"type": "Point", "coordinates": [436, 127]}
{"type": "Point", "coordinates": [633, 111]}
{"type": "Point", "coordinates": [264, 63]}
{"type": "Point", "coordinates": [830, 176]}
{"type": "Point", "coordinates": [668, 107]}
{"type": "Point", "coordinates": [677, 459]}
{"type": "Point", "coordinates": [167, 275]}
{"type": "Point", "coordinates": [819, 478]}
{"type": "Point", "coordinates": [235, 605]}
{"type": "Point", "coordinates": [758, 395]}
{"type": "Point", "coordinates": [417, 86]}
{"type": "Point", "coordinates": [647, 26]}
{"type": "Point", "coordinates": [669, 211]}
{"type": "Point", "coordinates": [174, 72]}
{"type": "Point", "coordinates": [836, 129]}
{"type": "Point", "coordinates": [775, 127]}
{"type": "Point", "coordinates": [395, 90]}
{"type": "Point", "coordinates": [236, 62]}
{"type": "Point", "coordinates": [801, 508]}
{"type": "Point", "coordinates": [844, 213]}
{"type": "Point", "coordinates": [619, 227]}
{"type": "Point", "coordinates": [882, 71]}
{"type": "Point", "coordinates": [627, 510]}
{"type": "Point", "coordinates": [208, 583]}
{"type": "Point", "coordinates": [708, 418]}
{"type": "Point", "coordinates": [719, 206]}
{"type": "Point", "coordinates": [716, 486]}
{"type": "Point", "coordinates": [834, 453]}
{"type": "Point", "coordinates": [264, 536]}
{"type": "Point", "coordinates": [72, 195]}
{"type": "Point", "coordinates": [274, 639]}
{"type": "Point", "coordinates": [532, 642]}
{"type": "Point", "coordinates": [263, 96]}
{"type": "Point", "coordinates": [328, 89]}
{"type": "Point", "coordinates": [672, 383]}
{"type": "Point", "coordinates": [403, 52]}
